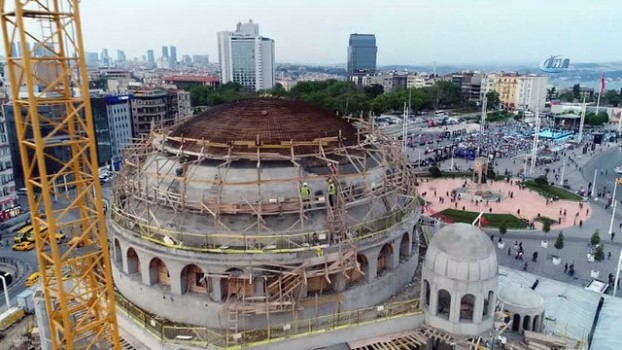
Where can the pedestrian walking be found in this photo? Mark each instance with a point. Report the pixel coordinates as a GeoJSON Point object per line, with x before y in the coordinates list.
{"type": "Point", "coordinates": [566, 268]}
{"type": "Point", "coordinates": [613, 234]}
{"type": "Point", "coordinates": [609, 256]}
{"type": "Point", "coordinates": [580, 223]}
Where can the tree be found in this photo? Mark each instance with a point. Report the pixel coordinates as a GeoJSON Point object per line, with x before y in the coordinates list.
{"type": "Point", "coordinates": [595, 240]}
{"type": "Point", "coordinates": [576, 90]}
{"type": "Point", "coordinates": [567, 97]}
{"type": "Point", "coordinates": [612, 98]}
{"type": "Point", "coordinates": [492, 100]}
{"type": "Point", "coordinates": [546, 227]}
{"type": "Point", "coordinates": [373, 90]}
{"type": "Point", "coordinates": [599, 254]}
{"type": "Point", "coordinates": [541, 181]}
{"type": "Point", "coordinates": [503, 229]}
{"type": "Point", "coordinates": [551, 93]}
{"type": "Point", "coordinates": [559, 243]}
{"type": "Point", "coordinates": [435, 171]}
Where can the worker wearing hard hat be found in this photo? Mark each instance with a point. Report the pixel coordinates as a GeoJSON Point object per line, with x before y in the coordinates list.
{"type": "Point", "coordinates": [332, 192]}
{"type": "Point", "coordinates": [305, 194]}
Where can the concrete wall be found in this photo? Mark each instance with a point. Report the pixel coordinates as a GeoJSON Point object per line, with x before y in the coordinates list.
{"type": "Point", "coordinates": [207, 309]}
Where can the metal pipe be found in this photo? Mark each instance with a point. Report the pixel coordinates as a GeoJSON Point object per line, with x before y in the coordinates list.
{"type": "Point", "coordinates": [6, 292]}
{"type": "Point", "coordinates": [561, 181]}
{"type": "Point", "coordinates": [594, 182]}
{"type": "Point", "coordinates": [613, 213]}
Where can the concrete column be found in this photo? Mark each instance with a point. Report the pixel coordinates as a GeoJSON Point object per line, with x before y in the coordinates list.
{"type": "Point", "coordinates": [124, 262]}
{"type": "Point", "coordinates": [478, 308]}
{"type": "Point", "coordinates": [144, 268]}
{"type": "Point", "coordinates": [174, 272]}
{"type": "Point", "coordinates": [520, 324]}
{"type": "Point", "coordinates": [372, 260]}
{"type": "Point", "coordinates": [394, 260]}
{"type": "Point", "coordinates": [338, 282]}
{"type": "Point", "coordinates": [454, 315]}
{"type": "Point", "coordinates": [216, 293]}
{"type": "Point", "coordinates": [433, 299]}
{"type": "Point", "coordinates": [259, 286]}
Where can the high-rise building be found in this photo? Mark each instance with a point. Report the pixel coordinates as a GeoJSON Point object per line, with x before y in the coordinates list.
{"type": "Point", "coordinates": [121, 56]}
{"type": "Point", "coordinates": [172, 60]}
{"type": "Point", "coordinates": [246, 57]}
{"type": "Point", "coordinates": [157, 107]}
{"type": "Point", "coordinates": [200, 60]}
{"type": "Point", "coordinates": [362, 52]}
{"type": "Point", "coordinates": [105, 58]}
{"type": "Point", "coordinates": [92, 59]}
{"type": "Point", "coordinates": [120, 123]}
{"type": "Point", "coordinates": [151, 58]}
{"type": "Point", "coordinates": [165, 52]}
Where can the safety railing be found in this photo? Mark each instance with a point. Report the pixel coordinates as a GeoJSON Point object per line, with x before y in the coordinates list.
{"type": "Point", "coordinates": [168, 332]}
{"type": "Point", "coordinates": [254, 244]}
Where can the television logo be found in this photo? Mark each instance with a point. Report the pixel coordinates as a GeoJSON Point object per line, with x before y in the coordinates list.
{"type": "Point", "coordinates": [555, 64]}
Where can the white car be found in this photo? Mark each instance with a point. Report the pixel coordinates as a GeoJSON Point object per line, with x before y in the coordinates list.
{"type": "Point", "coordinates": [618, 169]}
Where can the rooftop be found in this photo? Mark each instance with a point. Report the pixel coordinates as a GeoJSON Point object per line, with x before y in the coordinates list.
{"type": "Point", "coordinates": [192, 78]}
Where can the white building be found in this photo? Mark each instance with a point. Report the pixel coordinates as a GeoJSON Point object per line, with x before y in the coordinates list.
{"type": "Point", "coordinates": [183, 104]}
{"type": "Point", "coordinates": [8, 193]}
{"type": "Point", "coordinates": [246, 57]}
{"type": "Point", "coordinates": [531, 92]}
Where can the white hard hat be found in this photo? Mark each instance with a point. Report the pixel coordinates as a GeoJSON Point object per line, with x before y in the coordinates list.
{"type": "Point", "coordinates": [304, 184]}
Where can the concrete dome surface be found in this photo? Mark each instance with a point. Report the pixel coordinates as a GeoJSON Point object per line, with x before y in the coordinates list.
{"type": "Point", "coordinates": [266, 121]}
{"type": "Point", "coordinates": [463, 252]}
{"type": "Point", "coordinates": [520, 296]}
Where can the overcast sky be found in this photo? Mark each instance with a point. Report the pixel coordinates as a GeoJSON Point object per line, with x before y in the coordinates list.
{"type": "Point", "coordinates": [407, 31]}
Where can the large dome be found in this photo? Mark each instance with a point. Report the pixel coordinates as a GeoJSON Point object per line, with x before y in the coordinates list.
{"type": "Point", "coordinates": [264, 121]}
{"type": "Point", "coordinates": [463, 252]}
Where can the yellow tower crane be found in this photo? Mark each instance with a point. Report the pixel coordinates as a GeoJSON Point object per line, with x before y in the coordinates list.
{"type": "Point", "coordinates": [50, 91]}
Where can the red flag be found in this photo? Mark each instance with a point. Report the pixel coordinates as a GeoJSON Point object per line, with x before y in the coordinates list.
{"type": "Point", "coordinates": [483, 221]}
{"type": "Point", "coordinates": [602, 83]}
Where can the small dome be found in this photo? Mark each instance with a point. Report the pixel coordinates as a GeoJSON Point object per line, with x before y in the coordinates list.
{"type": "Point", "coordinates": [518, 296]}
{"type": "Point", "coordinates": [268, 121]}
{"type": "Point", "coordinates": [462, 252]}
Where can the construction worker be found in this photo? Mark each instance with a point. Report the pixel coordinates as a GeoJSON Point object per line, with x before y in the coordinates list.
{"type": "Point", "coordinates": [332, 192]}
{"type": "Point", "coordinates": [305, 194]}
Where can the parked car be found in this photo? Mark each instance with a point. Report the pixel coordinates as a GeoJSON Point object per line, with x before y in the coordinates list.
{"type": "Point", "coordinates": [24, 246]}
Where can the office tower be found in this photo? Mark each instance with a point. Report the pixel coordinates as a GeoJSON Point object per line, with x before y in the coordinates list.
{"type": "Point", "coordinates": [105, 58]}
{"type": "Point", "coordinates": [165, 52]}
{"type": "Point", "coordinates": [92, 58]}
{"type": "Point", "coordinates": [362, 52]}
{"type": "Point", "coordinates": [172, 60]}
{"type": "Point", "coordinates": [120, 56]}
{"type": "Point", "coordinates": [246, 57]}
{"type": "Point", "coordinates": [200, 60]}
{"type": "Point", "coordinates": [150, 58]}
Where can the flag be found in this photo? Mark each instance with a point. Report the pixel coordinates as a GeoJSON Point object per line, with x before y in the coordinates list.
{"type": "Point", "coordinates": [602, 83]}
{"type": "Point", "coordinates": [483, 221]}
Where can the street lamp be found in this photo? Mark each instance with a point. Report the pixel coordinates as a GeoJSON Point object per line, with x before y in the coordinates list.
{"type": "Point", "coordinates": [594, 182]}
{"type": "Point", "coordinates": [6, 291]}
{"type": "Point", "coordinates": [615, 203]}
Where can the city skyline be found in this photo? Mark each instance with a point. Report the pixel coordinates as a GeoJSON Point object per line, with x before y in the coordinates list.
{"type": "Point", "coordinates": [446, 31]}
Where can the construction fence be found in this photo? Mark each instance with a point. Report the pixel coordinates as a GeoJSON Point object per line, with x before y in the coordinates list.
{"type": "Point", "coordinates": [168, 332]}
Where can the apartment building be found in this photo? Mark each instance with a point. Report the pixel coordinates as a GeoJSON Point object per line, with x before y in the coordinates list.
{"type": "Point", "coordinates": [158, 107]}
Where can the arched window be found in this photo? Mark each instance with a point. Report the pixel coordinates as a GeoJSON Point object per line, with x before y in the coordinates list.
{"type": "Point", "coordinates": [133, 263]}
{"type": "Point", "coordinates": [527, 323]}
{"type": "Point", "coordinates": [385, 258]}
{"type": "Point", "coordinates": [536, 323]}
{"type": "Point", "coordinates": [444, 304]}
{"type": "Point", "coordinates": [516, 323]}
{"type": "Point", "coordinates": [467, 304]}
{"type": "Point", "coordinates": [158, 273]}
{"type": "Point", "coordinates": [426, 295]}
{"type": "Point", "coordinates": [405, 246]}
{"type": "Point", "coordinates": [193, 280]}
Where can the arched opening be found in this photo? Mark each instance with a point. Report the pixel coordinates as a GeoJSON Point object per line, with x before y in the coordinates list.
{"type": "Point", "coordinates": [118, 256]}
{"type": "Point", "coordinates": [516, 323]}
{"type": "Point", "coordinates": [238, 284]}
{"type": "Point", "coordinates": [133, 263]}
{"type": "Point", "coordinates": [527, 323]}
{"type": "Point", "coordinates": [426, 293]}
{"type": "Point", "coordinates": [405, 246]}
{"type": "Point", "coordinates": [317, 284]}
{"type": "Point", "coordinates": [488, 304]}
{"type": "Point", "coordinates": [444, 304]}
{"type": "Point", "coordinates": [536, 323]}
{"type": "Point", "coordinates": [158, 273]}
{"type": "Point", "coordinates": [358, 274]}
{"type": "Point", "coordinates": [384, 259]}
{"type": "Point", "coordinates": [193, 280]}
{"type": "Point", "coordinates": [467, 304]}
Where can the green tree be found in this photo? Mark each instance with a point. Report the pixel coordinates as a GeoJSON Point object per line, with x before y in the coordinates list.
{"type": "Point", "coordinates": [503, 229]}
{"type": "Point", "coordinates": [373, 90]}
{"type": "Point", "coordinates": [551, 93]}
{"type": "Point", "coordinates": [599, 254]}
{"type": "Point", "coordinates": [567, 97]}
{"type": "Point", "coordinates": [559, 243]}
{"type": "Point", "coordinates": [446, 94]}
{"type": "Point", "coordinates": [492, 100]}
{"type": "Point", "coordinates": [612, 98]}
{"type": "Point", "coordinates": [576, 90]}
{"type": "Point", "coordinates": [595, 240]}
{"type": "Point", "coordinates": [546, 227]}
{"type": "Point", "coordinates": [435, 171]}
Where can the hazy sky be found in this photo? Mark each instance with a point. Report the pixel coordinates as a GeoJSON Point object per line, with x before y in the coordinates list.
{"type": "Point", "coordinates": [407, 31]}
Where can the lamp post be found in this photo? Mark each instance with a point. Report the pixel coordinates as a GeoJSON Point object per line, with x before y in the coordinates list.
{"type": "Point", "coordinates": [615, 203]}
{"type": "Point", "coordinates": [561, 180]}
{"type": "Point", "coordinates": [615, 283]}
{"type": "Point", "coordinates": [594, 182]}
{"type": "Point", "coordinates": [6, 292]}
{"type": "Point", "coordinates": [451, 168]}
